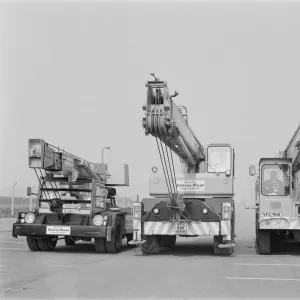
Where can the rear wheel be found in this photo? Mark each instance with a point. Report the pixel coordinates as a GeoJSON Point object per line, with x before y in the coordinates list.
{"type": "Point", "coordinates": [221, 251]}
{"type": "Point", "coordinates": [115, 244]}
{"type": "Point", "coordinates": [32, 243]}
{"type": "Point", "coordinates": [152, 244]}
{"type": "Point", "coordinates": [168, 241]}
{"type": "Point", "coordinates": [69, 242]}
{"type": "Point", "coordinates": [47, 244]}
{"type": "Point", "coordinates": [100, 245]}
{"type": "Point", "coordinates": [264, 242]}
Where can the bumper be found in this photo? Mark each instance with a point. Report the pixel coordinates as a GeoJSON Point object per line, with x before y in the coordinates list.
{"type": "Point", "coordinates": [193, 228]}
{"type": "Point", "coordinates": [292, 223]}
{"type": "Point", "coordinates": [75, 230]}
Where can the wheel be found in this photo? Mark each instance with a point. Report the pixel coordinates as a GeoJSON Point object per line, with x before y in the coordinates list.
{"type": "Point", "coordinates": [221, 251]}
{"type": "Point", "coordinates": [32, 243]}
{"type": "Point", "coordinates": [115, 244]}
{"type": "Point", "coordinates": [100, 245]}
{"type": "Point", "coordinates": [277, 241]}
{"type": "Point", "coordinates": [47, 244]}
{"type": "Point", "coordinates": [168, 241]}
{"type": "Point", "coordinates": [264, 242]}
{"type": "Point", "coordinates": [152, 244]}
{"type": "Point", "coordinates": [130, 238]}
{"type": "Point", "coordinates": [69, 242]}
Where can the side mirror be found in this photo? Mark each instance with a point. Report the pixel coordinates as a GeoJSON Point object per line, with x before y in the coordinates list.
{"type": "Point", "coordinates": [252, 170]}
{"type": "Point", "coordinates": [29, 191]}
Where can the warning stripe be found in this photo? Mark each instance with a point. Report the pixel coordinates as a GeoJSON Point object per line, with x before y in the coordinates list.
{"type": "Point", "coordinates": [193, 228]}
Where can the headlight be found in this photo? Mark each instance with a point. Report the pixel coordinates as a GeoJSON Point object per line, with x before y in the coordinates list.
{"type": "Point", "coordinates": [98, 220]}
{"type": "Point", "coordinates": [278, 223]}
{"type": "Point", "coordinates": [205, 211]}
{"type": "Point", "coordinates": [22, 215]}
{"type": "Point", "coordinates": [227, 172]}
{"type": "Point", "coordinates": [29, 218]}
{"type": "Point", "coordinates": [156, 210]}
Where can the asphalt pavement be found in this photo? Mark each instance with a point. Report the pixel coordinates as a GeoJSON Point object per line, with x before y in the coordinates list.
{"type": "Point", "coordinates": [190, 272]}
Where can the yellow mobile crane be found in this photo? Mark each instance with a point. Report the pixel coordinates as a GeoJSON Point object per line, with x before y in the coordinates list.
{"type": "Point", "coordinates": [76, 201]}
{"type": "Point", "coordinates": [195, 203]}
{"type": "Point", "coordinates": [278, 197]}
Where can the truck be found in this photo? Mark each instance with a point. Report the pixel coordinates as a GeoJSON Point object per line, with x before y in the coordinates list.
{"type": "Point", "coordinates": [277, 198]}
{"type": "Point", "coordinates": [76, 200]}
{"type": "Point", "coordinates": [197, 201]}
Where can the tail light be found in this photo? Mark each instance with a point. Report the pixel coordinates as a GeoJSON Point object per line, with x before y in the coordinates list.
{"type": "Point", "coordinates": [226, 211]}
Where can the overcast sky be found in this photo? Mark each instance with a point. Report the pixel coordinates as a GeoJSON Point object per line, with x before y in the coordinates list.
{"type": "Point", "coordinates": [74, 75]}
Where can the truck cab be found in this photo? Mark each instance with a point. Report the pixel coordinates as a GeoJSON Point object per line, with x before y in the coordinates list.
{"type": "Point", "coordinates": [277, 211]}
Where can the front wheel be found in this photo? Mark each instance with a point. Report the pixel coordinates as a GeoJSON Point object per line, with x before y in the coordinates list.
{"type": "Point", "coordinates": [100, 245]}
{"type": "Point", "coordinates": [32, 243]}
{"type": "Point", "coordinates": [264, 242]}
{"type": "Point", "coordinates": [114, 246]}
{"type": "Point", "coordinates": [47, 244]}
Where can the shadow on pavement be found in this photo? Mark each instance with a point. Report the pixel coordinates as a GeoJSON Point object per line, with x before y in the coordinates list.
{"type": "Point", "coordinates": [86, 248]}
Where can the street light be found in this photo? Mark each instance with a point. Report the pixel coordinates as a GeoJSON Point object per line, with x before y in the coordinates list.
{"type": "Point", "coordinates": [13, 199]}
{"type": "Point", "coordinates": [103, 152]}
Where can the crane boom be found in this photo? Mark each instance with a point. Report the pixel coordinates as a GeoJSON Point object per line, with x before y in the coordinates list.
{"type": "Point", "coordinates": [167, 122]}
{"type": "Point", "coordinates": [293, 150]}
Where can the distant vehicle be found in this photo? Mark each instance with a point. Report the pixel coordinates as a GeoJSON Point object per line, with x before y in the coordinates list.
{"type": "Point", "coordinates": [75, 201]}
{"type": "Point", "coordinates": [277, 197]}
{"type": "Point", "coordinates": [195, 203]}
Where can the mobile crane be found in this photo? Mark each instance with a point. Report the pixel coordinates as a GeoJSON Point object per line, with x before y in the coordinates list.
{"type": "Point", "coordinates": [76, 201]}
{"type": "Point", "coordinates": [277, 197]}
{"type": "Point", "coordinates": [197, 202]}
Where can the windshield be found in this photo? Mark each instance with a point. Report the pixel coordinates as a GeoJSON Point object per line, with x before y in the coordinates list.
{"type": "Point", "coordinates": [65, 191]}
{"type": "Point", "coordinates": [219, 159]}
{"type": "Point", "coordinates": [275, 179]}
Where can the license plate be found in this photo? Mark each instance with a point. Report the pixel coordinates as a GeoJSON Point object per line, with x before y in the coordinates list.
{"type": "Point", "coordinates": [58, 230]}
{"type": "Point", "coordinates": [181, 226]}
{"type": "Point", "coordinates": [68, 210]}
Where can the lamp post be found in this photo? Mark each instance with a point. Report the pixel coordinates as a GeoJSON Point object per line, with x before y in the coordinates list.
{"type": "Point", "coordinates": [13, 199]}
{"type": "Point", "coordinates": [103, 152]}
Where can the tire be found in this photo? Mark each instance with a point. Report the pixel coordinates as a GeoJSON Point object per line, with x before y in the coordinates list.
{"type": "Point", "coordinates": [100, 245]}
{"type": "Point", "coordinates": [168, 241]}
{"type": "Point", "coordinates": [69, 242]}
{"type": "Point", "coordinates": [221, 251]}
{"type": "Point", "coordinates": [115, 244]}
{"type": "Point", "coordinates": [264, 242]}
{"type": "Point", "coordinates": [277, 242]}
{"type": "Point", "coordinates": [32, 243]}
{"type": "Point", "coordinates": [47, 244]}
{"type": "Point", "coordinates": [151, 246]}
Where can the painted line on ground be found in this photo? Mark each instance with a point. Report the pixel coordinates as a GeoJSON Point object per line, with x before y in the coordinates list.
{"type": "Point", "coordinates": [281, 265]}
{"type": "Point", "coordinates": [2, 248]}
{"type": "Point", "coordinates": [262, 278]}
{"type": "Point", "coordinates": [12, 242]}
{"type": "Point", "coordinates": [264, 256]}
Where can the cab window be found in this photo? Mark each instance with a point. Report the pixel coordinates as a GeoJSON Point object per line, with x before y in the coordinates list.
{"type": "Point", "coordinates": [219, 159]}
{"type": "Point", "coordinates": [275, 179]}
